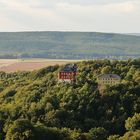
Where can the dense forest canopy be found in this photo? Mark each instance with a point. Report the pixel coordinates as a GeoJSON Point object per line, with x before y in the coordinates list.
{"type": "Point", "coordinates": [68, 45]}
{"type": "Point", "coordinates": [34, 106]}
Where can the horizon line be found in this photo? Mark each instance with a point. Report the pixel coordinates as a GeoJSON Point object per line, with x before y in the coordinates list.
{"type": "Point", "coordinates": [22, 31]}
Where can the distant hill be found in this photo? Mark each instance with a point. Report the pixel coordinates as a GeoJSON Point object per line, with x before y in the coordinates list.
{"type": "Point", "coordinates": [136, 34]}
{"type": "Point", "coordinates": [68, 45]}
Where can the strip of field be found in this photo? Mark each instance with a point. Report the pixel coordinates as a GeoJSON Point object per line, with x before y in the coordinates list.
{"type": "Point", "coordinates": [14, 65]}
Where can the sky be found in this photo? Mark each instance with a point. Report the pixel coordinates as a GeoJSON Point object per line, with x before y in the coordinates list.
{"type": "Point", "coordinates": [120, 16]}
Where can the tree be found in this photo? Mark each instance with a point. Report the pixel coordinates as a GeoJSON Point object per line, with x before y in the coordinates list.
{"type": "Point", "coordinates": [106, 70]}
{"type": "Point", "coordinates": [21, 130]}
{"type": "Point", "coordinates": [98, 133]}
{"type": "Point", "coordinates": [131, 136]}
{"type": "Point", "coordinates": [113, 137]}
{"type": "Point", "coordinates": [36, 96]}
{"type": "Point", "coordinates": [132, 124]}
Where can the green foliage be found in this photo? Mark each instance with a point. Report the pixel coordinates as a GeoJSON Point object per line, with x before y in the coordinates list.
{"type": "Point", "coordinates": [98, 133]}
{"type": "Point", "coordinates": [133, 123]}
{"type": "Point", "coordinates": [106, 70]}
{"type": "Point", "coordinates": [131, 136]}
{"type": "Point", "coordinates": [114, 137]}
{"type": "Point", "coordinates": [20, 130]}
{"type": "Point", "coordinates": [33, 105]}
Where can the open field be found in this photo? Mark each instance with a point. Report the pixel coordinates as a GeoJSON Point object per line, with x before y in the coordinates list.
{"type": "Point", "coordinates": [14, 65]}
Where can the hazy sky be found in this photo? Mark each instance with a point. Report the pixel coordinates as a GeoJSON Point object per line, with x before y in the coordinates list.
{"type": "Point", "coordinates": [70, 15]}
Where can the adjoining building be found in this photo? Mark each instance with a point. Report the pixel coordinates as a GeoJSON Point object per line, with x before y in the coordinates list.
{"type": "Point", "coordinates": [68, 73]}
{"type": "Point", "coordinates": [107, 79]}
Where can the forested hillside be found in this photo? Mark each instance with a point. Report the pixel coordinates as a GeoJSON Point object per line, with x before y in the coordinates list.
{"type": "Point", "coordinates": [34, 106]}
{"type": "Point", "coordinates": [68, 45]}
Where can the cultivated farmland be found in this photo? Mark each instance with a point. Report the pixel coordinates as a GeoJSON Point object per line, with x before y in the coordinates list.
{"type": "Point", "coordinates": [14, 65]}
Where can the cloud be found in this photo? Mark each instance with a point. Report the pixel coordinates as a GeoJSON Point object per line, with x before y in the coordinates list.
{"type": "Point", "coordinates": [26, 14]}
{"type": "Point", "coordinates": [6, 24]}
{"type": "Point", "coordinates": [83, 2]}
{"type": "Point", "coordinates": [125, 7]}
{"type": "Point", "coordinates": [89, 15]}
{"type": "Point", "coordinates": [113, 7]}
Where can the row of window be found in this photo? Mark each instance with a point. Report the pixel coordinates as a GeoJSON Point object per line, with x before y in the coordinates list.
{"type": "Point", "coordinates": [109, 82]}
{"type": "Point", "coordinates": [63, 77]}
{"type": "Point", "coordinates": [66, 73]}
{"type": "Point", "coordinates": [108, 79]}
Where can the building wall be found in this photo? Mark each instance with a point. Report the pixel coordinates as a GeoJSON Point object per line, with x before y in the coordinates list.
{"type": "Point", "coordinates": [66, 76]}
{"type": "Point", "coordinates": [108, 81]}
{"type": "Point", "coordinates": [103, 81]}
